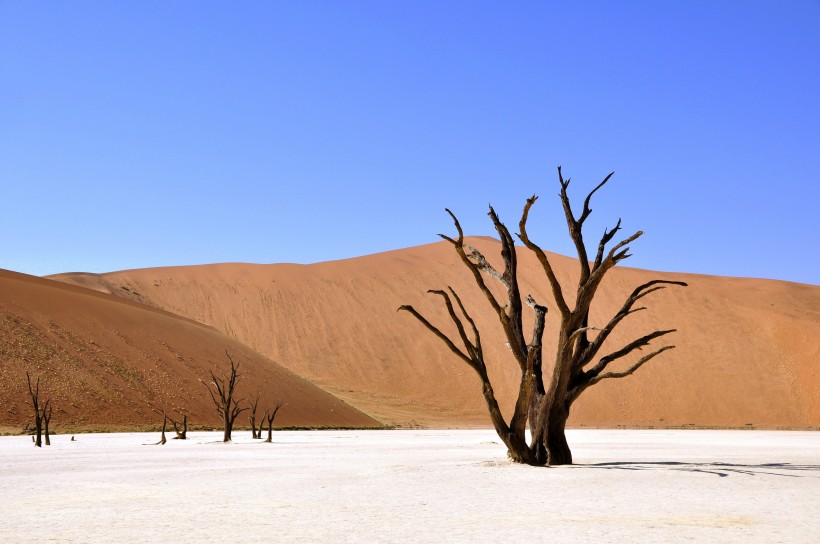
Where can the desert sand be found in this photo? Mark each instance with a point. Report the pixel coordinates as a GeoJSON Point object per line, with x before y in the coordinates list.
{"type": "Point", "coordinates": [412, 486]}
{"type": "Point", "coordinates": [110, 363]}
{"type": "Point", "coordinates": [746, 356]}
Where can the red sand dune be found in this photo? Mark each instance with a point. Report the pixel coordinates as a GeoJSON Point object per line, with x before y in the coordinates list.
{"type": "Point", "coordinates": [109, 363]}
{"type": "Point", "coordinates": [747, 349]}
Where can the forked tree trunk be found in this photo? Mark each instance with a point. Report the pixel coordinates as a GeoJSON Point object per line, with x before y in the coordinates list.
{"type": "Point", "coordinates": [252, 416]}
{"type": "Point", "coordinates": [35, 402]}
{"type": "Point", "coordinates": [183, 434]}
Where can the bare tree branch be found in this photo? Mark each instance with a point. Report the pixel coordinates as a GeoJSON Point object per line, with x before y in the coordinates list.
{"type": "Point", "coordinates": [605, 239]}
{"type": "Point", "coordinates": [631, 369]}
{"type": "Point", "coordinates": [459, 246]}
{"type": "Point", "coordinates": [638, 293]}
{"type": "Point", "coordinates": [477, 343]}
{"type": "Point", "coordinates": [624, 351]}
{"type": "Point", "coordinates": [435, 330]}
{"type": "Point", "coordinates": [557, 293]}
{"type": "Point", "coordinates": [575, 227]}
{"type": "Point", "coordinates": [587, 209]}
{"type": "Point", "coordinates": [471, 349]}
{"type": "Point", "coordinates": [483, 265]}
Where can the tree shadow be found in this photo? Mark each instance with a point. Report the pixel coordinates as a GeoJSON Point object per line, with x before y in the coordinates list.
{"type": "Point", "coordinates": [788, 470]}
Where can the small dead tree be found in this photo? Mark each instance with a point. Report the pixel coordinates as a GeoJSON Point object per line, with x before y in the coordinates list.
{"type": "Point", "coordinates": [545, 404]}
{"type": "Point", "coordinates": [162, 439]}
{"type": "Point", "coordinates": [252, 416]}
{"type": "Point", "coordinates": [222, 394]}
{"type": "Point", "coordinates": [261, 424]}
{"type": "Point", "coordinates": [270, 416]}
{"type": "Point", "coordinates": [46, 417]}
{"type": "Point", "coordinates": [183, 434]}
{"type": "Point", "coordinates": [34, 393]}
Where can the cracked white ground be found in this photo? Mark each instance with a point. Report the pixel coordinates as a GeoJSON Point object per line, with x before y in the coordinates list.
{"type": "Point", "coordinates": [412, 486]}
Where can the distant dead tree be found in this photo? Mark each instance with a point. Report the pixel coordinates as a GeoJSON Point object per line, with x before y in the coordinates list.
{"type": "Point", "coordinates": [261, 424]}
{"type": "Point", "coordinates": [545, 406]}
{"type": "Point", "coordinates": [46, 417]}
{"type": "Point", "coordinates": [162, 439]}
{"type": "Point", "coordinates": [183, 434]}
{"type": "Point", "coordinates": [252, 417]}
{"type": "Point", "coordinates": [269, 416]}
{"type": "Point", "coordinates": [222, 394]}
{"type": "Point", "coordinates": [34, 394]}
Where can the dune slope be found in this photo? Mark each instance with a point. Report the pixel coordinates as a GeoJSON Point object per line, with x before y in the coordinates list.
{"type": "Point", "coordinates": [746, 355]}
{"type": "Point", "coordinates": [108, 362]}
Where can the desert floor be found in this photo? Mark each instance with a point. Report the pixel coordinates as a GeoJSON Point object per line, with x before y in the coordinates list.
{"type": "Point", "coordinates": [412, 486]}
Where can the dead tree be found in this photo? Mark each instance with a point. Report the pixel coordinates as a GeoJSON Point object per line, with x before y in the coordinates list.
{"type": "Point", "coordinates": [222, 394]}
{"type": "Point", "coordinates": [252, 417]}
{"type": "Point", "coordinates": [269, 416]}
{"type": "Point", "coordinates": [46, 417]}
{"type": "Point", "coordinates": [34, 393]}
{"type": "Point", "coordinates": [162, 439]}
{"type": "Point", "coordinates": [542, 404]}
{"type": "Point", "coordinates": [183, 434]}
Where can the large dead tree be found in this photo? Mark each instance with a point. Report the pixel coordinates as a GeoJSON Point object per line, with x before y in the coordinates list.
{"type": "Point", "coordinates": [544, 404]}
{"type": "Point", "coordinates": [222, 394]}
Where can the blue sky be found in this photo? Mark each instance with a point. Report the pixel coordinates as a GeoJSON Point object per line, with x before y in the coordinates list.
{"type": "Point", "coordinates": [136, 134]}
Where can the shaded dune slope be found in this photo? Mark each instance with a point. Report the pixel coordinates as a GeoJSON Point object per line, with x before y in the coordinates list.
{"type": "Point", "coordinates": [108, 362]}
{"type": "Point", "coordinates": [747, 348]}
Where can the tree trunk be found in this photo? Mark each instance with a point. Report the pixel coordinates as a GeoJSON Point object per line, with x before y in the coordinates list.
{"type": "Point", "coordinates": [518, 451]}
{"type": "Point", "coordinates": [226, 437]}
{"type": "Point", "coordinates": [270, 416]}
{"type": "Point", "coordinates": [270, 431]}
{"type": "Point", "coordinates": [162, 439]}
{"type": "Point", "coordinates": [252, 423]}
{"type": "Point", "coordinates": [558, 452]}
{"type": "Point", "coordinates": [35, 403]}
{"type": "Point", "coordinates": [38, 425]}
{"type": "Point", "coordinates": [46, 417]}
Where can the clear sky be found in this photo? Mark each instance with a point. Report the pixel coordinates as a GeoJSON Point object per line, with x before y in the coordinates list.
{"type": "Point", "coordinates": [137, 134]}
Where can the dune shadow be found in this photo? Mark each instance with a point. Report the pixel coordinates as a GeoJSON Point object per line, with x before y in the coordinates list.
{"type": "Point", "coordinates": [788, 470]}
